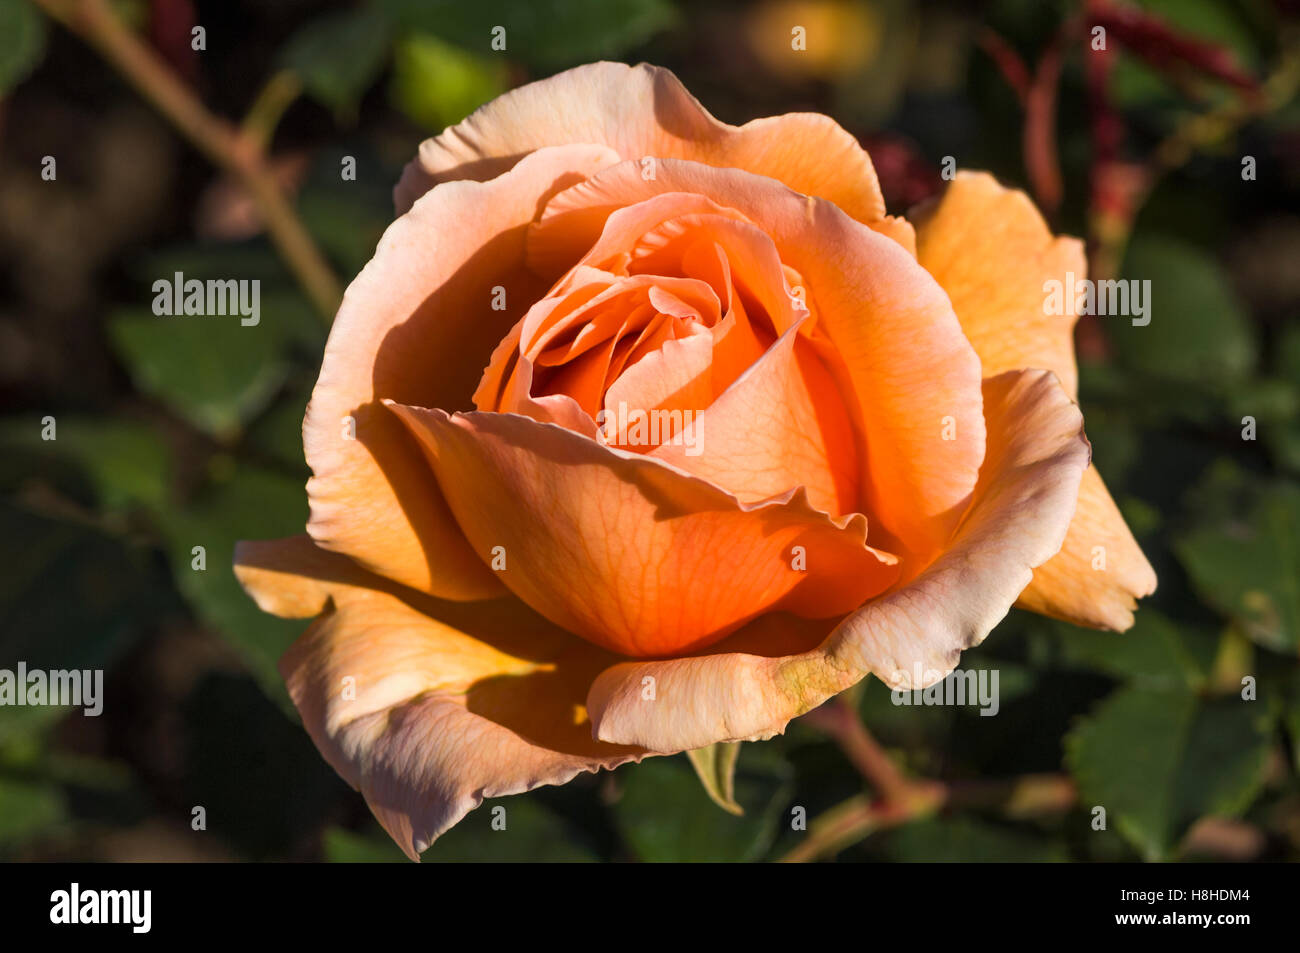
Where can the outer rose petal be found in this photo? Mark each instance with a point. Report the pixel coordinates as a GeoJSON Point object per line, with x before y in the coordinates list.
{"type": "Point", "coordinates": [1071, 586]}
{"type": "Point", "coordinates": [644, 111]}
{"type": "Point", "coordinates": [417, 325]}
{"type": "Point", "coordinates": [993, 253]}
{"type": "Point", "coordinates": [453, 703]}
{"type": "Point", "coordinates": [910, 366]}
{"type": "Point", "coordinates": [910, 637]}
{"type": "Point", "coordinates": [629, 552]}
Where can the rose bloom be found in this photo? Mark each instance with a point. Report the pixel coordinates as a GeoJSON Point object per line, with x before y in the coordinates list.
{"type": "Point", "coordinates": [642, 432]}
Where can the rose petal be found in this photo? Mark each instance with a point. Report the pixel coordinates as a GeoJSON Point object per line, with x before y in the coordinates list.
{"type": "Point", "coordinates": [910, 637]}
{"type": "Point", "coordinates": [427, 707]}
{"type": "Point", "coordinates": [1100, 572]}
{"type": "Point", "coordinates": [915, 375]}
{"type": "Point", "coordinates": [781, 425]}
{"type": "Point", "coordinates": [644, 111]}
{"type": "Point", "coordinates": [629, 552]}
{"type": "Point", "coordinates": [993, 253]}
{"type": "Point", "coordinates": [418, 325]}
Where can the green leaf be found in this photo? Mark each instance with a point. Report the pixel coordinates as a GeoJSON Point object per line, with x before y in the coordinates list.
{"type": "Point", "coordinates": [1154, 653]}
{"type": "Point", "coordinates": [1199, 334]}
{"type": "Point", "coordinates": [343, 846]}
{"type": "Point", "coordinates": [125, 461]}
{"type": "Point", "coordinates": [70, 598]}
{"type": "Point", "coordinates": [22, 42]}
{"type": "Point", "coordinates": [28, 809]}
{"type": "Point", "coordinates": [246, 502]}
{"type": "Point", "coordinates": [1158, 760]}
{"type": "Point", "coordinates": [437, 85]}
{"type": "Point", "coordinates": [339, 54]}
{"type": "Point", "coordinates": [968, 840]}
{"type": "Point", "coordinates": [531, 833]}
{"type": "Point", "coordinates": [348, 217]}
{"type": "Point", "coordinates": [211, 371]}
{"type": "Point", "coordinates": [547, 34]}
{"type": "Point", "coordinates": [665, 817]}
{"type": "Point", "coordinates": [1126, 758]}
{"type": "Point", "coordinates": [716, 767]}
{"type": "Point", "coordinates": [1246, 563]}
{"type": "Point", "coordinates": [1225, 762]}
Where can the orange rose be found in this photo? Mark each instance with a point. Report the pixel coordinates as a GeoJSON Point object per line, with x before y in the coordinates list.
{"type": "Point", "coordinates": [642, 432]}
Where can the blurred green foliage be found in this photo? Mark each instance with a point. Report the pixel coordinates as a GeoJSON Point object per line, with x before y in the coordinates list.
{"type": "Point", "coordinates": [174, 434]}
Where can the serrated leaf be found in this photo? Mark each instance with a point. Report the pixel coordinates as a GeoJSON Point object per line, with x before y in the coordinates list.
{"type": "Point", "coordinates": [1126, 756]}
{"type": "Point", "coordinates": [1158, 760]}
{"type": "Point", "coordinates": [1224, 765]}
{"type": "Point", "coordinates": [1247, 564]}
{"type": "Point", "coordinates": [716, 767]}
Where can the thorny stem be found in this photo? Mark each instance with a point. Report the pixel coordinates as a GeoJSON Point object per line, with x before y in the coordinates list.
{"type": "Point", "coordinates": [226, 146]}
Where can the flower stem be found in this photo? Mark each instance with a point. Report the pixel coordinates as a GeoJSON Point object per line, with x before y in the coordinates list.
{"type": "Point", "coordinates": [222, 143]}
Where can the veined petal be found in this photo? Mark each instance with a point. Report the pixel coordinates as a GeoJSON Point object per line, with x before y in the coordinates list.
{"type": "Point", "coordinates": [910, 637]}
{"type": "Point", "coordinates": [629, 552]}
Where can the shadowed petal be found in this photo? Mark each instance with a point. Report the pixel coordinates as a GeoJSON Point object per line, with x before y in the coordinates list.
{"type": "Point", "coordinates": [418, 324]}
{"type": "Point", "coordinates": [427, 707]}
{"type": "Point", "coordinates": [994, 255]}
{"type": "Point", "coordinates": [630, 552]}
{"type": "Point", "coordinates": [910, 637]}
{"type": "Point", "coordinates": [915, 377]}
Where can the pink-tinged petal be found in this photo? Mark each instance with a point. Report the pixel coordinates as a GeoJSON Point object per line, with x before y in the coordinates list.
{"type": "Point", "coordinates": [910, 637]}
{"type": "Point", "coordinates": [629, 552]}
{"type": "Point", "coordinates": [427, 707]}
{"type": "Point", "coordinates": [644, 111]}
{"type": "Point", "coordinates": [914, 374]}
{"type": "Point", "coordinates": [995, 256]}
{"type": "Point", "coordinates": [418, 324]}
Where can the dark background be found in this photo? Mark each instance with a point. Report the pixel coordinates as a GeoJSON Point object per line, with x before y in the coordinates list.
{"type": "Point", "coordinates": [172, 434]}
